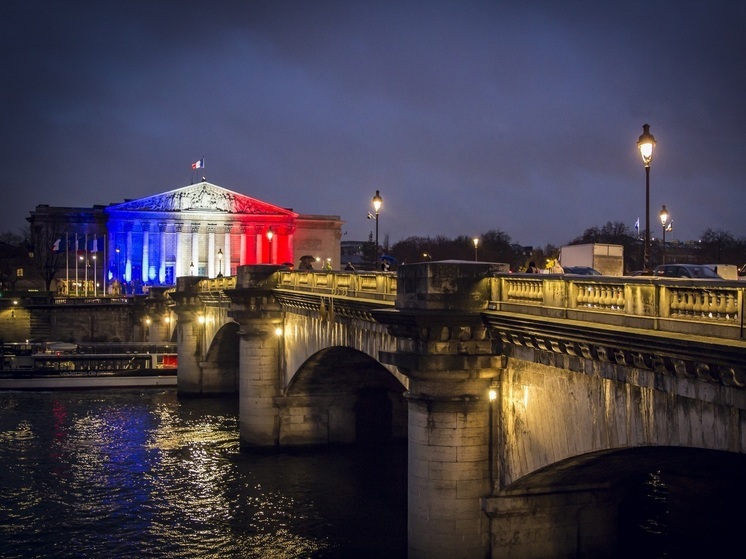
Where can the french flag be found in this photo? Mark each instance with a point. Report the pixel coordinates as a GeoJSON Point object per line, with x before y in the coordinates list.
{"type": "Point", "coordinates": [199, 164]}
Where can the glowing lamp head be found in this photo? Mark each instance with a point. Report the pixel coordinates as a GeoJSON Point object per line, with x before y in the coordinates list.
{"type": "Point", "coordinates": [645, 144]}
{"type": "Point", "coordinates": [377, 201]}
{"type": "Point", "coordinates": [664, 216]}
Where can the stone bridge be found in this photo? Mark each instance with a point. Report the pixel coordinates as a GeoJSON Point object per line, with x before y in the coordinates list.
{"type": "Point", "coordinates": [533, 405]}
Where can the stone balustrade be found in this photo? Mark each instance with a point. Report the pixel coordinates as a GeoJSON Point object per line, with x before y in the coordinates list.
{"type": "Point", "coordinates": [379, 286]}
{"type": "Point", "coordinates": [697, 307]}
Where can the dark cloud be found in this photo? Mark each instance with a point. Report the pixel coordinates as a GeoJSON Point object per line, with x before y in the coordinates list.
{"type": "Point", "coordinates": [468, 116]}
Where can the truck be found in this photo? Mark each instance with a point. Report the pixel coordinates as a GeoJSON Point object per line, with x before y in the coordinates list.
{"type": "Point", "coordinates": [607, 259]}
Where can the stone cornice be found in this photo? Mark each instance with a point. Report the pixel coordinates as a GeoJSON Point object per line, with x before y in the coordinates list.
{"type": "Point", "coordinates": [694, 357]}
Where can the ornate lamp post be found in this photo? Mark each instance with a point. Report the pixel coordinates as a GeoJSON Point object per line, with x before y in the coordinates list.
{"type": "Point", "coordinates": [220, 262]}
{"type": "Point", "coordinates": [377, 202]}
{"type": "Point", "coordinates": [664, 222]}
{"type": "Point", "coordinates": [270, 234]}
{"type": "Point", "coordinates": [476, 243]}
{"type": "Point", "coordinates": [645, 144]}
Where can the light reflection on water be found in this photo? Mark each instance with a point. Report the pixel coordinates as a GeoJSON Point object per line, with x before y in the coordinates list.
{"type": "Point", "coordinates": [145, 474]}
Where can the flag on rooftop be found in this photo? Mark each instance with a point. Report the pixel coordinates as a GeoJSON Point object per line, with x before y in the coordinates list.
{"type": "Point", "coordinates": [669, 227]}
{"type": "Point", "coordinates": [199, 164]}
{"type": "Point", "coordinates": [637, 224]}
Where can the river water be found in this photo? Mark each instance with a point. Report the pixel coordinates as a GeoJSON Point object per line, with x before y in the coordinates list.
{"type": "Point", "coordinates": [138, 474]}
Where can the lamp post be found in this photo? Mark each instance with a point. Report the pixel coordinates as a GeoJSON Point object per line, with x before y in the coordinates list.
{"type": "Point", "coordinates": [191, 268]}
{"type": "Point", "coordinates": [270, 234]}
{"type": "Point", "coordinates": [645, 144]}
{"type": "Point", "coordinates": [476, 243]}
{"type": "Point", "coordinates": [664, 222]}
{"type": "Point", "coordinates": [119, 266]}
{"type": "Point", "coordinates": [220, 262]}
{"type": "Point", "coordinates": [377, 202]}
{"type": "Point", "coordinates": [95, 275]}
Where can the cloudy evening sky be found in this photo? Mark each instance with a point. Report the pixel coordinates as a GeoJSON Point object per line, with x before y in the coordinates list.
{"type": "Point", "coordinates": [468, 116]}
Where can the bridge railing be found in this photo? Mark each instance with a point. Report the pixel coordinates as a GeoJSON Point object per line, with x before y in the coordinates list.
{"type": "Point", "coordinates": [699, 307]}
{"type": "Point", "coordinates": [379, 286]}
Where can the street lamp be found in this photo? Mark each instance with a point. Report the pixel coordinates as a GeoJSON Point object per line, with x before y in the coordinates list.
{"type": "Point", "coordinates": [476, 243]}
{"type": "Point", "coordinates": [220, 262]}
{"type": "Point", "coordinates": [645, 144]}
{"type": "Point", "coordinates": [377, 202]}
{"type": "Point", "coordinates": [664, 221]}
{"type": "Point", "coordinates": [191, 268]}
{"type": "Point", "coordinates": [270, 234]}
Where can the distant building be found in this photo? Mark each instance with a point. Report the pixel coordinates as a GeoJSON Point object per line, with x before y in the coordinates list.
{"type": "Point", "coordinates": [201, 230]}
{"type": "Point", "coordinates": [352, 251]}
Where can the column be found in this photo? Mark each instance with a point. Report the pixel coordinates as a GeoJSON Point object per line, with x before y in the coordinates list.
{"type": "Point", "coordinates": [162, 253]}
{"type": "Point", "coordinates": [180, 268]}
{"type": "Point", "coordinates": [128, 255]}
{"type": "Point", "coordinates": [259, 259]}
{"type": "Point", "coordinates": [243, 257]}
{"type": "Point", "coordinates": [145, 252]}
{"type": "Point", "coordinates": [227, 251]}
{"type": "Point", "coordinates": [195, 249]}
{"type": "Point", "coordinates": [211, 253]}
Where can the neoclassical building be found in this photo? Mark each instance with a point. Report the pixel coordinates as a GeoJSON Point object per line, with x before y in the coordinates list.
{"type": "Point", "coordinates": [201, 229]}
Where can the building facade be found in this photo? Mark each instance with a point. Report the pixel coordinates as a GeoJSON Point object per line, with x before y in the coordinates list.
{"type": "Point", "coordinates": [200, 230]}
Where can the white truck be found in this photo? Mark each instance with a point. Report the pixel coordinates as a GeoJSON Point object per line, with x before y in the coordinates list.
{"type": "Point", "coordinates": [607, 259]}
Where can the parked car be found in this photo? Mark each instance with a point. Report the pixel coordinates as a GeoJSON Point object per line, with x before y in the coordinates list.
{"type": "Point", "coordinates": [685, 271]}
{"type": "Point", "coordinates": [581, 270]}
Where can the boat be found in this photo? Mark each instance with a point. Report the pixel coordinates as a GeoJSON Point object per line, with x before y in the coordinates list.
{"type": "Point", "coordinates": [70, 368]}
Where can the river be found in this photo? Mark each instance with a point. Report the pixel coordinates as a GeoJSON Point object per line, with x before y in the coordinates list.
{"type": "Point", "coordinates": [144, 473]}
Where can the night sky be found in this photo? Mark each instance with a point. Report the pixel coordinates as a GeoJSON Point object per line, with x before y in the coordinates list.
{"type": "Point", "coordinates": [468, 116]}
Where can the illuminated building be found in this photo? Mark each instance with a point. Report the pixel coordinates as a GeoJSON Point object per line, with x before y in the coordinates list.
{"type": "Point", "coordinates": [202, 230]}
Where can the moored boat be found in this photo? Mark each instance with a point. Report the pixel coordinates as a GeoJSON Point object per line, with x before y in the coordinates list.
{"type": "Point", "coordinates": [70, 369]}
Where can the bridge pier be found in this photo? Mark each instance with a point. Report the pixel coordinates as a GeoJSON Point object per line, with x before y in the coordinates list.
{"type": "Point", "coordinates": [261, 375]}
{"type": "Point", "coordinates": [444, 350]}
{"type": "Point", "coordinates": [191, 336]}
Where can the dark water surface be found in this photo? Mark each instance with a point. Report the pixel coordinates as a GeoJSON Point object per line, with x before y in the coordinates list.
{"type": "Point", "coordinates": [129, 473]}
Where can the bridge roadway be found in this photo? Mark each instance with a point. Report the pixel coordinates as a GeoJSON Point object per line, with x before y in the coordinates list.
{"type": "Point", "coordinates": [530, 402]}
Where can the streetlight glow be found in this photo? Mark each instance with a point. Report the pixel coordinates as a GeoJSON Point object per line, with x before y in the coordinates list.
{"type": "Point", "coordinates": [664, 220]}
{"type": "Point", "coordinates": [646, 143]}
{"type": "Point", "coordinates": [220, 262]}
{"type": "Point", "coordinates": [476, 243]}
{"type": "Point", "coordinates": [377, 203]}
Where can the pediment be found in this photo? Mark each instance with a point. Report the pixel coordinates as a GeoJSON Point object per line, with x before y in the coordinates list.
{"type": "Point", "coordinates": [203, 196]}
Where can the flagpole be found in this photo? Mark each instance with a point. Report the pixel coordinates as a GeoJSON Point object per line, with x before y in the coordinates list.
{"type": "Point", "coordinates": [67, 264]}
{"type": "Point", "coordinates": [95, 267]}
{"type": "Point", "coordinates": [85, 264]}
{"type": "Point", "coordinates": [104, 271]}
{"type": "Point", "coordinates": [77, 280]}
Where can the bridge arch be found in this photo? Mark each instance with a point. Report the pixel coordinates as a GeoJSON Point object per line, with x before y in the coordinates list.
{"type": "Point", "coordinates": [342, 395]}
{"type": "Point", "coordinates": [220, 365]}
{"type": "Point", "coordinates": [663, 500]}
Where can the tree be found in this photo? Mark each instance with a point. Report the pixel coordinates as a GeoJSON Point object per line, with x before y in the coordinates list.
{"type": "Point", "coordinates": [46, 260]}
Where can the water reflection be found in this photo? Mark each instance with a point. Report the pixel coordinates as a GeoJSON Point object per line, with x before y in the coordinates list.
{"type": "Point", "coordinates": [144, 474]}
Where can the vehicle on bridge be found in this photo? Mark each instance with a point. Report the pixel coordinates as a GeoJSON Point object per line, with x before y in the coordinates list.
{"type": "Point", "coordinates": [581, 271]}
{"type": "Point", "coordinates": [695, 271]}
